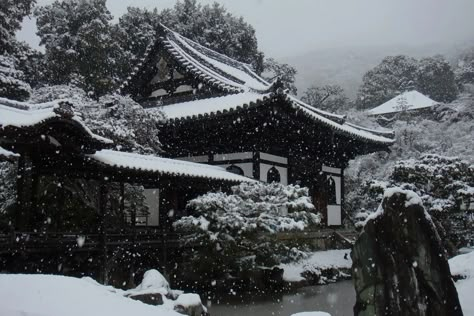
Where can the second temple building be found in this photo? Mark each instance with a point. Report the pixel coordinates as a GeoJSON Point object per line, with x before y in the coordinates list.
{"type": "Point", "coordinates": [220, 112]}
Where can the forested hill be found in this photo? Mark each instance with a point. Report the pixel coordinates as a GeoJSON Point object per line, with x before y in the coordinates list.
{"type": "Point", "coordinates": [345, 66]}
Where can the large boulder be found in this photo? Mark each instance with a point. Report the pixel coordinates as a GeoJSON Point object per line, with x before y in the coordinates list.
{"type": "Point", "coordinates": [399, 263]}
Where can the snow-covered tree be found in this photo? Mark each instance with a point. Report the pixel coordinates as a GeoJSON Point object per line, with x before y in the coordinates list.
{"type": "Point", "coordinates": [12, 84]}
{"type": "Point", "coordinates": [328, 97]}
{"type": "Point", "coordinates": [31, 63]}
{"type": "Point", "coordinates": [78, 44]}
{"type": "Point", "coordinates": [464, 70]}
{"type": "Point", "coordinates": [435, 78]}
{"type": "Point", "coordinates": [272, 70]}
{"type": "Point", "coordinates": [213, 26]}
{"type": "Point", "coordinates": [134, 32]}
{"type": "Point", "coordinates": [12, 13]}
{"type": "Point", "coordinates": [237, 227]}
{"type": "Point", "coordinates": [386, 80]}
{"type": "Point", "coordinates": [113, 116]}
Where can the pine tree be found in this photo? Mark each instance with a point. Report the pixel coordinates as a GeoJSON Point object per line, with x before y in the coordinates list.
{"type": "Point", "coordinates": [214, 27]}
{"type": "Point", "coordinates": [12, 85]}
{"type": "Point", "coordinates": [12, 13]}
{"type": "Point", "coordinates": [386, 80]}
{"type": "Point", "coordinates": [78, 42]}
{"type": "Point", "coordinates": [435, 78]}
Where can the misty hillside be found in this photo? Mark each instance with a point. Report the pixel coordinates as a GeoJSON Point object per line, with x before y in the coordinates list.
{"type": "Point", "coordinates": [346, 66]}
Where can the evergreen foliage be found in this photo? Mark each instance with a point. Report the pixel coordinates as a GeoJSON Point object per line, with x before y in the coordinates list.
{"type": "Point", "coordinates": [329, 97]}
{"type": "Point", "coordinates": [12, 85]}
{"type": "Point", "coordinates": [214, 27]}
{"type": "Point", "coordinates": [435, 78]}
{"type": "Point", "coordinates": [78, 43]}
{"type": "Point", "coordinates": [237, 227]}
{"type": "Point", "coordinates": [431, 76]}
{"type": "Point", "coordinates": [12, 13]}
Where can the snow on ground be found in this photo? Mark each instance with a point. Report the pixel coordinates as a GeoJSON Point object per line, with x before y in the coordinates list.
{"type": "Point", "coordinates": [463, 265]}
{"type": "Point", "coordinates": [311, 314]}
{"type": "Point", "coordinates": [52, 295]}
{"type": "Point", "coordinates": [319, 260]}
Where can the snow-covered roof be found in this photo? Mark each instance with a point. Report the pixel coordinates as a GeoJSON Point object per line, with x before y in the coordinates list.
{"type": "Point", "coordinates": [23, 114]}
{"type": "Point", "coordinates": [165, 166]}
{"type": "Point", "coordinates": [242, 86]}
{"type": "Point", "coordinates": [7, 155]}
{"type": "Point", "coordinates": [193, 109]}
{"type": "Point", "coordinates": [414, 101]}
{"type": "Point", "coordinates": [234, 102]}
{"type": "Point", "coordinates": [213, 68]}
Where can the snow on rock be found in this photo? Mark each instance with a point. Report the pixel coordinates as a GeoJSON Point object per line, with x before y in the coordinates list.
{"type": "Point", "coordinates": [319, 260]}
{"type": "Point", "coordinates": [412, 197]}
{"type": "Point", "coordinates": [312, 314]}
{"type": "Point", "coordinates": [190, 304]}
{"type": "Point", "coordinates": [52, 295]}
{"type": "Point", "coordinates": [187, 300]}
{"type": "Point", "coordinates": [153, 282]}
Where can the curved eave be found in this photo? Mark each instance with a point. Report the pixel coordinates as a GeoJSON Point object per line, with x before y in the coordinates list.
{"type": "Point", "coordinates": [177, 175]}
{"type": "Point", "coordinates": [95, 140]}
{"type": "Point", "coordinates": [345, 129]}
{"type": "Point", "coordinates": [185, 62]}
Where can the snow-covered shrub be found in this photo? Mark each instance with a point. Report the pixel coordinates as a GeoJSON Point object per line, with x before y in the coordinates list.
{"type": "Point", "coordinates": [113, 116]}
{"type": "Point", "coordinates": [443, 183]}
{"type": "Point", "coordinates": [238, 228]}
{"type": "Point", "coordinates": [7, 190]}
{"type": "Point", "coordinates": [12, 85]}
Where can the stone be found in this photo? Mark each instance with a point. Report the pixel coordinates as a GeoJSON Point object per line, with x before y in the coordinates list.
{"type": "Point", "coordinates": [149, 298]}
{"type": "Point", "coordinates": [190, 304]}
{"type": "Point", "coordinates": [399, 263]}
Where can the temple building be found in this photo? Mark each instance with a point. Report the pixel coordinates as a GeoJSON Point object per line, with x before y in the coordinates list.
{"type": "Point", "coordinates": [220, 112]}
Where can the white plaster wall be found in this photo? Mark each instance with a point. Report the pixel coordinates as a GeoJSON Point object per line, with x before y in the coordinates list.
{"type": "Point", "coordinates": [274, 158]}
{"type": "Point", "coordinates": [247, 168]}
{"type": "Point", "coordinates": [331, 169]}
{"type": "Point", "coordinates": [283, 173]}
{"type": "Point", "coordinates": [334, 215]}
{"type": "Point", "coordinates": [152, 197]}
{"type": "Point", "coordinates": [195, 158]}
{"type": "Point", "coordinates": [233, 156]}
{"type": "Point", "coordinates": [159, 93]}
{"type": "Point", "coordinates": [183, 88]}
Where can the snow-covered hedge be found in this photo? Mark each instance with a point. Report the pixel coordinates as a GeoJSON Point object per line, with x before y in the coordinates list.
{"type": "Point", "coordinates": [445, 185]}
{"type": "Point", "coordinates": [237, 228]}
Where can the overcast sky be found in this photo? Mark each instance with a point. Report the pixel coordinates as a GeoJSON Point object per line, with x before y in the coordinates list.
{"type": "Point", "coordinates": [294, 27]}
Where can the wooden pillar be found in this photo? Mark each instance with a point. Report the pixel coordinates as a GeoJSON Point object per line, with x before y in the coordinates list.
{"type": "Point", "coordinates": [122, 201]}
{"type": "Point", "coordinates": [103, 233]}
{"type": "Point", "coordinates": [20, 211]}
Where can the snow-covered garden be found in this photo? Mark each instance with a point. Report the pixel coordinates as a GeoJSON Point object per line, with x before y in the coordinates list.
{"type": "Point", "coordinates": [85, 173]}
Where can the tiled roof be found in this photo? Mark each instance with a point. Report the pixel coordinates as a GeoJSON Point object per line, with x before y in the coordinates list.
{"type": "Point", "coordinates": [7, 155]}
{"type": "Point", "coordinates": [23, 114]}
{"type": "Point", "coordinates": [165, 166]}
